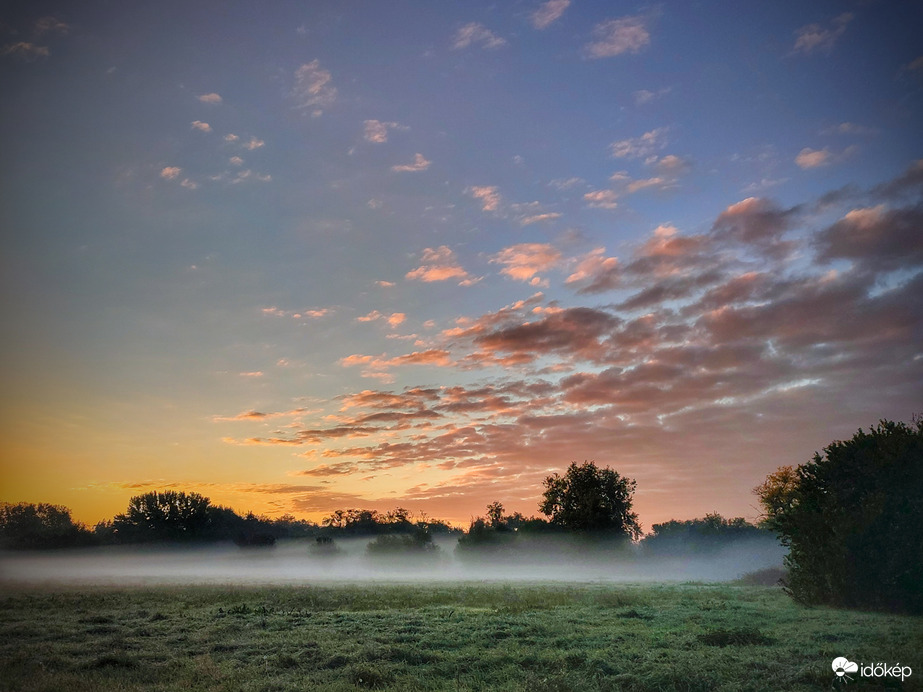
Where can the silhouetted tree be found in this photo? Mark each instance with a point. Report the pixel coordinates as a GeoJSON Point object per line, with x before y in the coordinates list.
{"type": "Point", "coordinates": [495, 515]}
{"type": "Point", "coordinates": [159, 516]}
{"type": "Point", "coordinates": [26, 525]}
{"type": "Point", "coordinates": [853, 521]}
{"type": "Point", "coordinates": [589, 499]}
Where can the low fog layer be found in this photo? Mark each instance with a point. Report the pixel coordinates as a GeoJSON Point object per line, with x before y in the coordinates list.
{"type": "Point", "coordinates": [296, 562]}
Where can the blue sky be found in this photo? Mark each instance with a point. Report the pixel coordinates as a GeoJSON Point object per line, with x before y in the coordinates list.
{"type": "Point", "coordinates": [308, 256]}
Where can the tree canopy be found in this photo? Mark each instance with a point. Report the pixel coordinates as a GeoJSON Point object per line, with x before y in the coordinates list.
{"type": "Point", "coordinates": [589, 499]}
{"type": "Point", "coordinates": [43, 525]}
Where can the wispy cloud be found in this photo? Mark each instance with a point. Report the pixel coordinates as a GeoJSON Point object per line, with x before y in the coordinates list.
{"type": "Point", "coordinates": [201, 126]}
{"type": "Point", "coordinates": [548, 13]}
{"type": "Point", "coordinates": [212, 98]}
{"type": "Point", "coordinates": [525, 261]}
{"type": "Point", "coordinates": [815, 37]}
{"type": "Point", "coordinates": [439, 264]}
{"type": "Point", "coordinates": [419, 164]}
{"type": "Point", "coordinates": [312, 313]}
{"type": "Point", "coordinates": [487, 195]}
{"type": "Point", "coordinates": [313, 89]}
{"type": "Point", "coordinates": [393, 320]}
{"type": "Point", "coordinates": [813, 158]}
{"type": "Point", "coordinates": [617, 36]}
{"type": "Point", "coordinates": [809, 158]}
{"type": "Point", "coordinates": [644, 96]}
{"type": "Point", "coordinates": [476, 34]}
{"type": "Point", "coordinates": [638, 147]}
{"type": "Point", "coordinates": [50, 25]}
{"type": "Point", "coordinates": [23, 50]}
{"type": "Point", "coordinates": [848, 128]}
{"type": "Point", "coordinates": [376, 131]}
{"type": "Point", "coordinates": [601, 199]}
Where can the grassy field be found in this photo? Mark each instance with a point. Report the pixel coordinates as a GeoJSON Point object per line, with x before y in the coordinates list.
{"type": "Point", "coordinates": [443, 636]}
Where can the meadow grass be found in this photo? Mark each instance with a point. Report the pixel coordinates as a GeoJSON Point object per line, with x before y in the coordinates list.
{"type": "Point", "coordinates": [439, 636]}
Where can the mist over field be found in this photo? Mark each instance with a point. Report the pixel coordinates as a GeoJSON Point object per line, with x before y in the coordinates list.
{"type": "Point", "coordinates": [292, 562]}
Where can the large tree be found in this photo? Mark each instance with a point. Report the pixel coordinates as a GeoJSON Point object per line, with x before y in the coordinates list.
{"type": "Point", "coordinates": [589, 499]}
{"type": "Point", "coordinates": [169, 515]}
{"type": "Point", "coordinates": [852, 518]}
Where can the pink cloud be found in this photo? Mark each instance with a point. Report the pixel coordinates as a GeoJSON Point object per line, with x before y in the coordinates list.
{"type": "Point", "coordinates": [439, 264]}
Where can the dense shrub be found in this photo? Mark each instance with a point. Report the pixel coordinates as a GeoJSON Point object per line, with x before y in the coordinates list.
{"type": "Point", "coordinates": [853, 521]}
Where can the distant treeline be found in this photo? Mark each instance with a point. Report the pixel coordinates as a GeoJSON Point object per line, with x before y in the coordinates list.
{"type": "Point", "coordinates": [181, 517]}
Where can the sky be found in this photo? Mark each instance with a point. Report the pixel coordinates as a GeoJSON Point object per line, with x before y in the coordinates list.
{"type": "Point", "coordinates": [305, 256]}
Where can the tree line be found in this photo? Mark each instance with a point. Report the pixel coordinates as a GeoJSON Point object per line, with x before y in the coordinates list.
{"type": "Point", "coordinates": [851, 517]}
{"type": "Point", "coordinates": [586, 501]}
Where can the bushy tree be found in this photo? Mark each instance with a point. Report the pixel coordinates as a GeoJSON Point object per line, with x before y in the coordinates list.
{"type": "Point", "coordinates": [43, 525]}
{"type": "Point", "coordinates": [164, 516]}
{"type": "Point", "coordinates": [853, 520]}
{"type": "Point", "coordinates": [589, 499]}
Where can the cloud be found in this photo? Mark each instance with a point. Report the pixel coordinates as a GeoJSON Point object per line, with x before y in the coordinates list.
{"type": "Point", "coordinates": [602, 199]}
{"type": "Point", "coordinates": [756, 222]}
{"type": "Point", "coordinates": [618, 36]}
{"type": "Point", "coordinates": [378, 367]}
{"type": "Point", "coordinates": [488, 195]}
{"type": "Point", "coordinates": [473, 34]}
{"type": "Point", "coordinates": [249, 175]}
{"type": "Point", "coordinates": [672, 165]}
{"type": "Point", "coordinates": [25, 51]}
{"type": "Point", "coordinates": [170, 172]}
{"type": "Point", "coordinates": [549, 13]}
{"type": "Point", "coordinates": [848, 128]}
{"type": "Point", "coordinates": [525, 261]}
{"type": "Point", "coordinates": [644, 96]}
{"type": "Point", "coordinates": [595, 273]}
{"type": "Point", "coordinates": [254, 143]}
{"type": "Point", "coordinates": [638, 147]}
{"type": "Point", "coordinates": [313, 314]}
{"type": "Point", "coordinates": [394, 319]}
{"type": "Point", "coordinates": [909, 182]}
{"type": "Point", "coordinates": [210, 98]}
{"type": "Point", "coordinates": [200, 126]}
{"type": "Point", "coordinates": [813, 158]}
{"type": "Point", "coordinates": [376, 131]}
{"type": "Point", "coordinates": [702, 333]}
{"type": "Point", "coordinates": [419, 164]}
{"type": "Point", "coordinates": [814, 37]}
{"type": "Point", "coordinates": [50, 25]}
{"type": "Point", "coordinates": [312, 88]}
{"type": "Point", "coordinates": [876, 239]}
{"type": "Point", "coordinates": [538, 218]}
{"type": "Point", "coordinates": [439, 264]}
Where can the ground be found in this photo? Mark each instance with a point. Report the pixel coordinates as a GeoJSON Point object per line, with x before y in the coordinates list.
{"type": "Point", "coordinates": [440, 636]}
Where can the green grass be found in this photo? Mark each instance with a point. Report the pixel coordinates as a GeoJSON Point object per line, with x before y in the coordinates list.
{"type": "Point", "coordinates": [438, 637]}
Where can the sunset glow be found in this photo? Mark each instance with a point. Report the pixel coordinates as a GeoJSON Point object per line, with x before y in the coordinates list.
{"type": "Point", "coordinates": [306, 256]}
